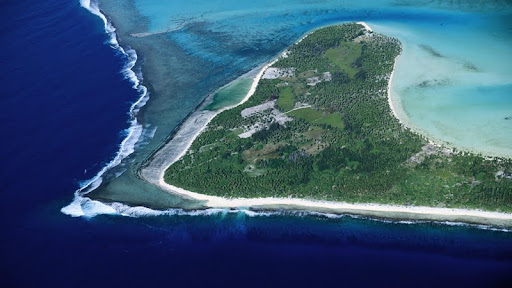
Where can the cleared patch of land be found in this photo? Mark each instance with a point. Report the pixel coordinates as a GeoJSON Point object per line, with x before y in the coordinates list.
{"type": "Point", "coordinates": [344, 57]}
{"type": "Point", "coordinates": [285, 100]}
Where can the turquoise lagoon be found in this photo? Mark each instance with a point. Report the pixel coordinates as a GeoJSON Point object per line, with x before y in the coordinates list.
{"type": "Point", "coordinates": [452, 81]}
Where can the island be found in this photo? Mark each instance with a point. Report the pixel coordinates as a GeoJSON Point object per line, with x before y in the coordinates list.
{"type": "Point", "coordinates": [318, 131]}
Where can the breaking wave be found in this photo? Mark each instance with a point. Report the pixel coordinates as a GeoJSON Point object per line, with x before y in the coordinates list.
{"type": "Point", "coordinates": [133, 133]}
{"type": "Point", "coordinates": [88, 208]}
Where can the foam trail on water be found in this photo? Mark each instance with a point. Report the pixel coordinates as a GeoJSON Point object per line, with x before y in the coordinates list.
{"type": "Point", "coordinates": [88, 208]}
{"type": "Point", "coordinates": [81, 205]}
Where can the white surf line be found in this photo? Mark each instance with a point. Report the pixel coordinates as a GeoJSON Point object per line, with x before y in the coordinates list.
{"type": "Point", "coordinates": [135, 130]}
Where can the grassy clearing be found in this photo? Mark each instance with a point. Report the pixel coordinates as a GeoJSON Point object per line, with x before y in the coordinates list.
{"type": "Point", "coordinates": [333, 120]}
{"type": "Point", "coordinates": [319, 117]}
{"type": "Point", "coordinates": [344, 56]}
{"type": "Point", "coordinates": [308, 114]}
{"type": "Point", "coordinates": [285, 100]}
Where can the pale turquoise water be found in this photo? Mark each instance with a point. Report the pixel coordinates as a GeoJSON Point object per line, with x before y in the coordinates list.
{"type": "Point", "coordinates": [230, 95]}
{"type": "Point", "coordinates": [196, 46]}
{"type": "Point", "coordinates": [454, 81]}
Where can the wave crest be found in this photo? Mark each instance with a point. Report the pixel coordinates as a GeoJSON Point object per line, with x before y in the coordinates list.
{"type": "Point", "coordinates": [88, 208]}
{"type": "Point", "coordinates": [133, 133]}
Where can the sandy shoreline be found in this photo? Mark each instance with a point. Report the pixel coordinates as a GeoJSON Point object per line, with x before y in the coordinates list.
{"type": "Point", "coordinates": [390, 99]}
{"type": "Point", "coordinates": [366, 26]}
{"type": "Point", "coordinates": [155, 174]}
{"type": "Point", "coordinates": [367, 209]}
{"type": "Point", "coordinates": [400, 114]}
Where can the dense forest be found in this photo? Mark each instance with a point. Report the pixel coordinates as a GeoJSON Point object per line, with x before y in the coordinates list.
{"type": "Point", "coordinates": [321, 128]}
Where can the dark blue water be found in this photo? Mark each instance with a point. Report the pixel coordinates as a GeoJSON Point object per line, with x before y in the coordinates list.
{"type": "Point", "coordinates": [64, 106]}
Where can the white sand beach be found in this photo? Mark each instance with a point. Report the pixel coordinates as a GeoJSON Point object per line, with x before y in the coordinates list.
{"type": "Point", "coordinates": [366, 26]}
{"type": "Point", "coordinates": [367, 209]}
{"type": "Point", "coordinates": [390, 98]}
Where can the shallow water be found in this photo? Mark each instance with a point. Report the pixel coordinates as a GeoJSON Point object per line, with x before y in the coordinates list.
{"type": "Point", "coordinates": [230, 95]}
{"type": "Point", "coordinates": [455, 88]}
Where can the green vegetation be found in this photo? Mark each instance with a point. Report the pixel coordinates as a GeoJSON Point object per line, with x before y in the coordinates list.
{"type": "Point", "coordinates": [345, 56]}
{"type": "Point", "coordinates": [333, 120]}
{"type": "Point", "coordinates": [285, 100]}
{"type": "Point", "coordinates": [319, 117]}
{"type": "Point", "coordinates": [340, 142]}
{"type": "Point", "coordinates": [308, 114]}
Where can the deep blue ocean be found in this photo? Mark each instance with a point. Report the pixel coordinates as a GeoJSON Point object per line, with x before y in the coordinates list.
{"type": "Point", "coordinates": [64, 110]}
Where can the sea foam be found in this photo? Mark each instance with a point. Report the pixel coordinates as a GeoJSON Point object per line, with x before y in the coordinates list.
{"type": "Point", "coordinates": [81, 205]}
{"type": "Point", "coordinates": [88, 208]}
